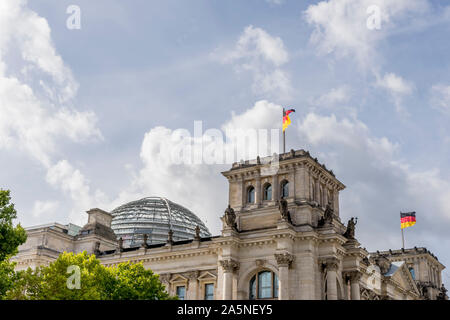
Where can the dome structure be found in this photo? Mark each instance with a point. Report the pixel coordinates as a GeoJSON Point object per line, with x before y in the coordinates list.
{"type": "Point", "coordinates": [154, 216]}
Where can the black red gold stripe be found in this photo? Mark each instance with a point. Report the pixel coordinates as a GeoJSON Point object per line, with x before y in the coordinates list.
{"type": "Point", "coordinates": [407, 219]}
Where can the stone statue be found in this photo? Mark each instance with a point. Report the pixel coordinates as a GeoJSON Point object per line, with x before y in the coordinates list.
{"type": "Point", "coordinates": [197, 233]}
{"type": "Point", "coordinates": [283, 207]}
{"type": "Point", "coordinates": [442, 293]}
{"type": "Point", "coordinates": [230, 218]}
{"type": "Point", "coordinates": [120, 244]}
{"type": "Point", "coordinates": [170, 237]}
{"type": "Point", "coordinates": [144, 244]}
{"type": "Point", "coordinates": [327, 215]}
{"type": "Point", "coordinates": [97, 248]}
{"type": "Point", "coordinates": [350, 232]}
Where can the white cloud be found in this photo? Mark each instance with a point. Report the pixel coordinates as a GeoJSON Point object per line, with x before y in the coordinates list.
{"type": "Point", "coordinates": [44, 209]}
{"type": "Point", "coordinates": [36, 93]}
{"type": "Point", "coordinates": [379, 183]}
{"type": "Point", "coordinates": [395, 84]}
{"type": "Point", "coordinates": [440, 98]}
{"type": "Point", "coordinates": [33, 87]}
{"type": "Point", "coordinates": [199, 187]}
{"type": "Point", "coordinates": [276, 2]}
{"type": "Point", "coordinates": [397, 87]}
{"type": "Point", "coordinates": [340, 26]}
{"type": "Point", "coordinates": [263, 55]}
{"type": "Point", "coordinates": [73, 183]}
{"type": "Point", "coordinates": [334, 96]}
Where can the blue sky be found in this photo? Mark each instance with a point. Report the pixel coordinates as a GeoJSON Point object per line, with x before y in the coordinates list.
{"type": "Point", "coordinates": [373, 105]}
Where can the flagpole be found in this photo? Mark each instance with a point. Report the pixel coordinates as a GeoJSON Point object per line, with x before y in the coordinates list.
{"type": "Point", "coordinates": [284, 136]}
{"type": "Point", "coordinates": [403, 240]}
{"type": "Point", "coordinates": [403, 235]}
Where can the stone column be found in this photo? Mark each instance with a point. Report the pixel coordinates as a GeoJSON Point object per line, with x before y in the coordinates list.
{"type": "Point", "coordinates": [354, 277]}
{"type": "Point", "coordinates": [258, 191]}
{"type": "Point", "coordinates": [336, 202]}
{"type": "Point", "coordinates": [228, 266]}
{"type": "Point", "coordinates": [284, 261]}
{"type": "Point", "coordinates": [317, 186]}
{"type": "Point", "coordinates": [331, 269]}
{"type": "Point", "coordinates": [275, 188]}
{"type": "Point", "coordinates": [165, 278]}
{"type": "Point", "coordinates": [192, 289]}
{"type": "Point", "coordinates": [292, 182]}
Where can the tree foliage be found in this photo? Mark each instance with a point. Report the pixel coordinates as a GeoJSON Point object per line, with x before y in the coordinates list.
{"type": "Point", "coordinates": [10, 239]}
{"type": "Point", "coordinates": [126, 281]}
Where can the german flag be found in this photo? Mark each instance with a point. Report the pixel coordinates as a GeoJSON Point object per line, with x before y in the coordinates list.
{"type": "Point", "coordinates": [407, 219]}
{"type": "Point", "coordinates": [286, 119]}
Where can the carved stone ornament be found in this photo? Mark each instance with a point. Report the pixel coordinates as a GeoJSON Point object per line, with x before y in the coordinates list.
{"type": "Point", "coordinates": [120, 244]}
{"type": "Point", "coordinates": [327, 215]}
{"type": "Point", "coordinates": [165, 277]}
{"type": "Point", "coordinates": [260, 262]}
{"type": "Point", "coordinates": [353, 276]}
{"type": "Point", "coordinates": [284, 212]}
{"type": "Point", "coordinates": [97, 248]}
{"type": "Point", "coordinates": [197, 233]}
{"type": "Point", "coordinates": [191, 275]}
{"type": "Point", "coordinates": [145, 244]}
{"type": "Point", "coordinates": [383, 263]}
{"type": "Point", "coordinates": [350, 232]}
{"type": "Point", "coordinates": [230, 218]}
{"type": "Point", "coordinates": [170, 237]}
{"type": "Point", "coordinates": [284, 259]}
{"type": "Point", "coordinates": [229, 265]}
{"type": "Point", "coordinates": [442, 293]}
{"type": "Point", "coordinates": [330, 264]}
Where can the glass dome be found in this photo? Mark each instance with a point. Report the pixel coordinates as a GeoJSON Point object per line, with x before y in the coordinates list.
{"type": "Point", "coordinates": [154, 216]}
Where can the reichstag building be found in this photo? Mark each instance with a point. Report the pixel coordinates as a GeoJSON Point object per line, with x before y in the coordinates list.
{"type": "Point", "coordinates": [282, 238]}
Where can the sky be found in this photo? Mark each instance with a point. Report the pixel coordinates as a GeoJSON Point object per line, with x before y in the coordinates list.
{"type": "Point", "coordinates": [91, 96]}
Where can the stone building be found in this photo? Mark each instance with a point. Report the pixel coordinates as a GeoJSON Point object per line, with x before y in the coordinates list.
{"type": "Point", "coordinates": [282, 238]}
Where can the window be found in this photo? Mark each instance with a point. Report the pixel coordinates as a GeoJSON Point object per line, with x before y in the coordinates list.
{"type": "Point", "coordinates": [263, 285]}
{"type": "Point", "coordinates": [181, 292]}
{"type": "Point", "coordinates": [413, 274]}
{"type": "Point", "coordinates": [209, 291]}
{"type": "Point", "coordinates": [267, 192]}
{"type": "Point", "coordinates": [251, 195]}
{"type": "Point", "coordinates": [285, 189]}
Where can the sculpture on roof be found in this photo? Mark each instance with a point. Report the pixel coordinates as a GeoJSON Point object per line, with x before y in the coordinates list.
{"type": "Point", "coordinates": [230, 218]}
{"type": "Point", "coordinates": [327, 215]}
{"type": "Point", "coordinates": [283, 207]}
{"type": "Point", "coordinates": [350, 232]}
{"type": "Point", "coordinates": [442, 293]}
{"type": "Point", "coordinates": [197, 233]}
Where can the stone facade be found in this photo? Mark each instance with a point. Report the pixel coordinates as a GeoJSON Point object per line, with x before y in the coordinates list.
{"type": "Point", "coordinates": [296, 249]}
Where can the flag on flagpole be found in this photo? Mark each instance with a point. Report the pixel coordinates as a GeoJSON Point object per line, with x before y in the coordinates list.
{"type": "Point", "coordinates": [407, 219]}
{"type": "Point", "coordinates": [286, 119]}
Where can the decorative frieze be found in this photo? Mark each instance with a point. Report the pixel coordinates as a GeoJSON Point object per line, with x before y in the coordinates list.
{"type": "Point", "coordinates": [284, 259]}
{"type": "Point", "coordinates": [229, 265]}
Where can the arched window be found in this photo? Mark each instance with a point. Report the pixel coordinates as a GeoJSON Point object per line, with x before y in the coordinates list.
{"type": "Point", "coordinates": [264, 285]}
{"type": "Point", "coordinates": [268, 192]}
{"type": "Point", "coordinates": [285, 189]}
{"type": "Point", "coordinates": [413, 274]}
{"type": "Point", "coordinates": [251, 195]}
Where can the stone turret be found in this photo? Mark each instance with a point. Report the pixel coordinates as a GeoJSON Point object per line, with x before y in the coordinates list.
{"type": "Point", "coordinates": [255, 187]}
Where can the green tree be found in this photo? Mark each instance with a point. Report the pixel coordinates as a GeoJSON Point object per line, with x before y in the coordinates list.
{"type": "Point", "coordinates": [127, 281]}
{"type": "Point", "coordinates": [131, 281]}
{"type": "Point", "coordinates": [10, 239]}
